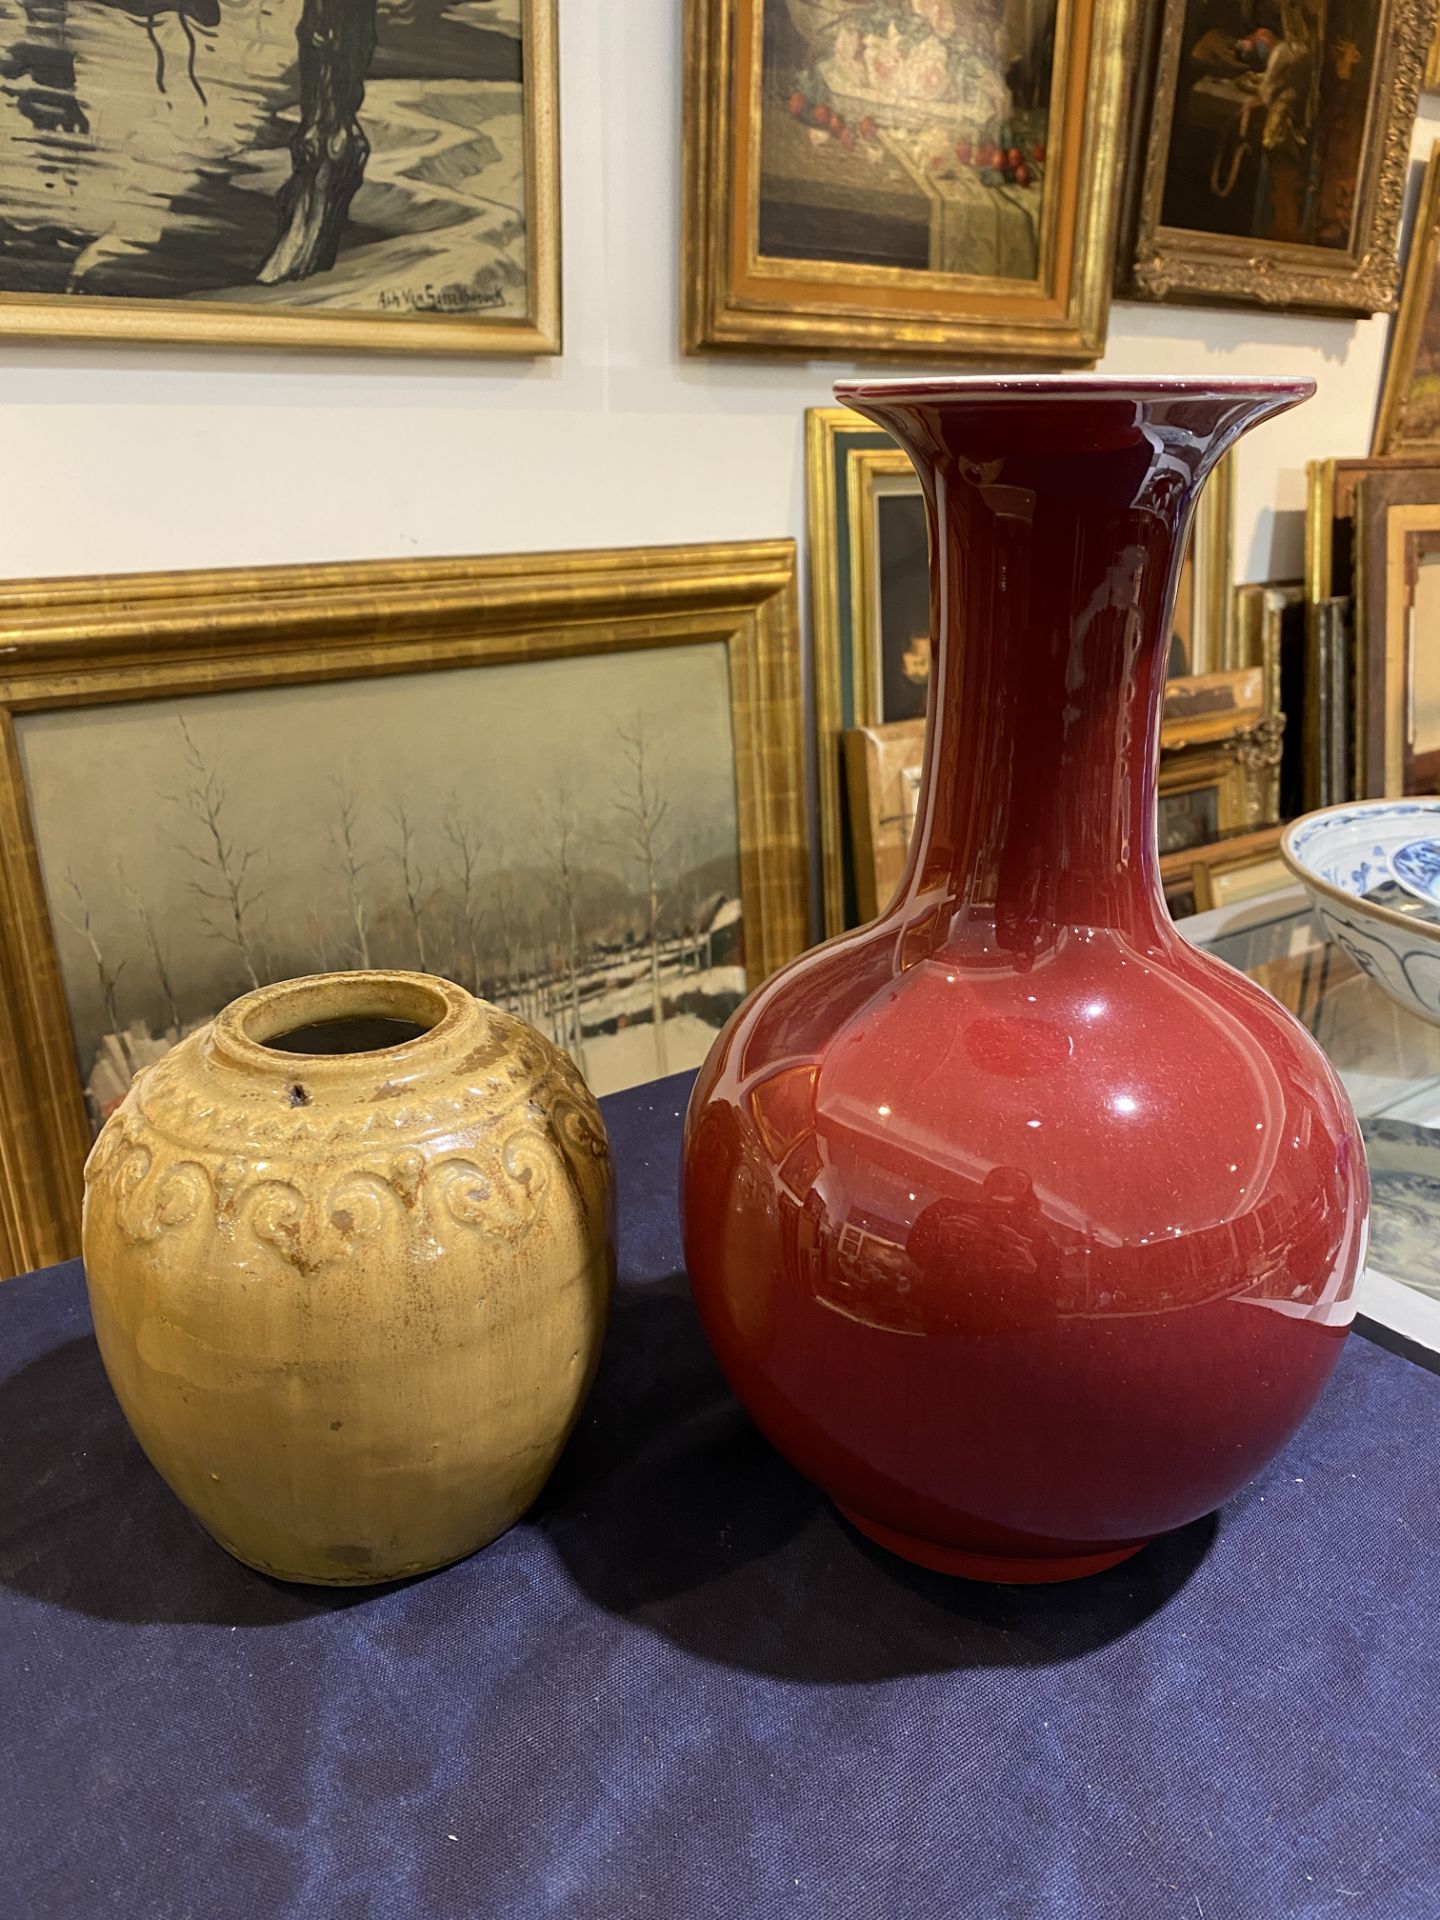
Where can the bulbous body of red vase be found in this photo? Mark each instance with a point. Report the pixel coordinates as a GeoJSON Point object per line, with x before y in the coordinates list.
{"type": "Point", "coordinates": [1024, 1229]}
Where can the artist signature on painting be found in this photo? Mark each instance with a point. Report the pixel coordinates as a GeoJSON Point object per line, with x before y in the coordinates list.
{"type": "Point", "coordinates": [428, 299]}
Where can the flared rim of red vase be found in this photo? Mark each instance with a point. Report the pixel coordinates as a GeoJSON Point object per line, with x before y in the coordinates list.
{"type": "Point", "coordinates": [1061, 386]}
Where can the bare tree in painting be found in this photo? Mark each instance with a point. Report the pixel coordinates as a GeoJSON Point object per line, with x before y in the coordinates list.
{"type": "Point", "coordinates": [642, 809]}
{"type": "Point", "coordinates": [227, 888]}
{"type": "Point", "coordinates": [412, 879]}
{"type": "Point", "coordinates": [685, 897]}
{"type": "Point", "coordinates": [335, 45]}
{"type": "Point", "coordinates": [336, 41]}
{"type": "Point", "coordinates": [565, 886]}
{"type": "Point", "coordinates": [507, 917]}
{"type": "Point", "coordinates": [319, 945]}
{"type": "Point", "coordinates": [159, 953]}
{"type": "Point", "coordinates": [351, 867]}
{"type": "Point", "coordinates": [519, 940]}
{"type": "Point", "coordinates": [81, 921]}
{"type": "Point", "coordinates": [465, 842]}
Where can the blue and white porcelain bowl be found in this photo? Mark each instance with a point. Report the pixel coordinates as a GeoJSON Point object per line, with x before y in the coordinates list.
{"type": "Point", "coordinates": [1372, 870]}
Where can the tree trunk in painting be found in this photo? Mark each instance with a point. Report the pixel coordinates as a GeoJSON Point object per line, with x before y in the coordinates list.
{"type": "Point", "coordinates": [336, 41]}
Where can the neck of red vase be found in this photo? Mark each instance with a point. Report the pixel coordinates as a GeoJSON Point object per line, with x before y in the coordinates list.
{"type": "Point", "coordinates": [1051, 607]}
{"type": "Point", "coordinates": [1058, 517]}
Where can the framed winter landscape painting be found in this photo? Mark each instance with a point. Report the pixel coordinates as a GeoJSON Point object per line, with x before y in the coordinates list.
{"type": "Point", "coordinates": [327, 173]}
{"type": "Point", "coordinates": [572, 782]}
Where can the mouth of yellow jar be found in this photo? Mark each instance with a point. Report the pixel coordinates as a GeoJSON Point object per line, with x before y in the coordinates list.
{"type": "Point", "coordinates": [347, 1033]}
{"type": "Point", "coordinates": [332, 1022]}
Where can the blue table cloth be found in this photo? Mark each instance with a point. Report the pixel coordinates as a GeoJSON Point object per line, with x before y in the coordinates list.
{"type": "Point", "coordinates": [684, 1687]}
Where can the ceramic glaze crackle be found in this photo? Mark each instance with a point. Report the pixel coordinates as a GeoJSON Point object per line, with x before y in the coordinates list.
{"type": "Point", "coordinates": [1024, 1229]}
{"type": "Point", "coordinates": [349, 1260]}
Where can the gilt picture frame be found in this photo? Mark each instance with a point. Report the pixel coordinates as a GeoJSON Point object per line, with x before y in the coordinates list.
{"type": "Point", "coordinates": [870, 609]}
{"type": "Point", "coordinates": [1408, 419]}
{"type": "Point", "coordinates": [182, 174]}
{"type": "Point", "coordinates": [925, 180]}
{"type": "Point", "coordinates": [1344, 669]}
{"type": "Point", "coordinates": [1270, 628]}
{"type": "Point", "coordinates": [882, 782]}
{"type": "Point", "coordinates": [1226, 873]}
{"type": "Point", "coordinates": [213, 779]}
{"type": "Point", "coordinates": [1397, 610]}
{"type": "Point", "coordinates": [1269, 171]}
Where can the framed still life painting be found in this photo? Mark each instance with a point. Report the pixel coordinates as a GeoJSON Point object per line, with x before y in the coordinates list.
{"type": "Point", "coordinates": [572, 782]}
{"type": "Point", "coordinates": [1270, 167]}
{"type": "Point", "coordinates": [870, 613]}
{"type": "Point", "coordinates": [281, 173]}
{"type": "Point", "coordinates": [928, 176]}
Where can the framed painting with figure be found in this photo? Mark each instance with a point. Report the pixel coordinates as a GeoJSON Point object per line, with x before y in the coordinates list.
{"type": "Point", "coordinates": [870, 611]}
{"type": "Point", "coordinates": [572, 782]}
{"type": "Point", "coordinates": [1269, 168]}
{"type": "Point", "coordinates": [927, 176]}
{"type": "Point", "coordinates": [285, 173]}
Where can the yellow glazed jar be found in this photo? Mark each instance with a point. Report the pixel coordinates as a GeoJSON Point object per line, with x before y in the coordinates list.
{"type": "Point", "coordinates": [349, 1256]}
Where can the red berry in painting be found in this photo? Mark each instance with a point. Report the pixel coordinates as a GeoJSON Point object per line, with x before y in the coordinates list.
{"type": "Point", "coordinates": [1014, 157]}
{"type": "Point", "coordinates": [820, 114]}
{"type": "Point", "coordinates": [1037, 153]}
{"type": "Point", "coordinates": [1022, 175]}
{"type": "Point", "coordinates": [868, 128]}
{"type": "Point", "coordinates": [799, 105]}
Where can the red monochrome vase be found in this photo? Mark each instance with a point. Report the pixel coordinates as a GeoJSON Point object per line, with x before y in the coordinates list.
{"type": "Point", "coordinates": [1022, 1228]}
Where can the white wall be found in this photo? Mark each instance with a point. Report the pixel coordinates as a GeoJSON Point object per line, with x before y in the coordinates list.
{"type": "Point", "coordinates": [162, 457]}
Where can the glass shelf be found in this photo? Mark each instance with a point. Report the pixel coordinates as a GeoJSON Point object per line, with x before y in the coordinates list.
{"type": "Point", "coordinates": [1389, 1061]}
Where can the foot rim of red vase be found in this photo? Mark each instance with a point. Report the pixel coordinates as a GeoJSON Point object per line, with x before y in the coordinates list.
{"type": "Point", "coordinates": [996, 1569]}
